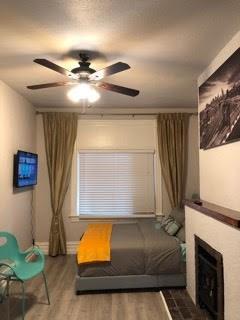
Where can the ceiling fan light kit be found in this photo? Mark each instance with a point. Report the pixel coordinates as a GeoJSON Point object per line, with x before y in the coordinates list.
{"type": "Point", "coordinates": [83, 91]}
{"type": "Point", "coordinates": [84, 78]}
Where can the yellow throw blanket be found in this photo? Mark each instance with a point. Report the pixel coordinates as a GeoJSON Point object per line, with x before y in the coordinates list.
{"type": "Point", "coordinates": [95, 243]}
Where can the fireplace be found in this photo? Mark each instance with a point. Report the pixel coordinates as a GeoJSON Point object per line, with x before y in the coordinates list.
{"type": "Point", "coordinates": [209, 279]}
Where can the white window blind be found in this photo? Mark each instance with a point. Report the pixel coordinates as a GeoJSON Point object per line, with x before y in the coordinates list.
{"type": "Point", "coordinates": [115, 183]}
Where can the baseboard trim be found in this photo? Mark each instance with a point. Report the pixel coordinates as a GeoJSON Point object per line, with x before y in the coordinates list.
{"type": "Point", "coordinates": [71, 247]}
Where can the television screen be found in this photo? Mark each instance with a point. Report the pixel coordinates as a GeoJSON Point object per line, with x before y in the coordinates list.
{"type": "Point", "coordinates": [25, 169]}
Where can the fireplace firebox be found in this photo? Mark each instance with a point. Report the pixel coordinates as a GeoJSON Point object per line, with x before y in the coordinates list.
{"type": "Point", "coordinates": [209, 279]}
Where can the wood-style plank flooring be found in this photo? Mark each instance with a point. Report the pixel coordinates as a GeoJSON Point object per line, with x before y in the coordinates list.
{"type": "Point", "coordinates": [65, 304]}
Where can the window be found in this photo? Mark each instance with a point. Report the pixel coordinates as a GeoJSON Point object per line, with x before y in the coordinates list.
{"type": "Point", "coordinates": [115, 183]}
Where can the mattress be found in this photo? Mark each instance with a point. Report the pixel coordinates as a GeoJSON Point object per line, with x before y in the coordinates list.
{"type": "Point", "coordinates": [138, 249]}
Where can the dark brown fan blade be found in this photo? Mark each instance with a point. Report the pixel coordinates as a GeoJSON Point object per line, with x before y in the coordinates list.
{"type": "Point", "coordinates": [108, 71]}
{"type": "Point", "coordinates": [51, 85]}
{"type": "Point", "coordinates": [50, 65]}
{"type": "Point", "coordinates": [118, 89]}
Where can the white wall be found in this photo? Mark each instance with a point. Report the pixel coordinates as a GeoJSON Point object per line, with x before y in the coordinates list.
{"type": "Point", "coordinates": [224, 239]}
{"type": "Point", "coordinates": [120, 135]}
{"type": "Point", "coordinates": [93, 135]}
{"type": "Point", "coordinates": [220, 167]}
{"type": "Point", "coordinates": [192, 180]}
{"type": "Point", "coordinates": [219, 184]}
{"type": "Point", "coordinates": [17, 131]}
{"type": "Point", "coordinates": [107, 134]}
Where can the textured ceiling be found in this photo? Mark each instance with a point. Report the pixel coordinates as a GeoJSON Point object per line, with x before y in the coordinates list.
{"type": "Point", "coordinates": [167, 43]}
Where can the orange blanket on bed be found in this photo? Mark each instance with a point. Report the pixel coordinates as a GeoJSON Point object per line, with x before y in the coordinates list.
{"type": "Point", "coordinates": [95, 243]}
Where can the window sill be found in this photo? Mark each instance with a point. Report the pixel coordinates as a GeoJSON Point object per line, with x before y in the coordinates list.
{"type": "Point", "coordinates": [107, 218]}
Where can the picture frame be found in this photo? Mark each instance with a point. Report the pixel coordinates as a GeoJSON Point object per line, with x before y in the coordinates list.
{"type": "Point", "coordinates": [219, 105]}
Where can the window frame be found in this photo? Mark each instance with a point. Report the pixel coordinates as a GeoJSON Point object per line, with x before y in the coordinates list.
{"type": "Point", "coordinates": [75, 217]}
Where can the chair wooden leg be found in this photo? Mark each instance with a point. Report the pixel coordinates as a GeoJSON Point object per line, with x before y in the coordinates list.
{"type": "Point", "coordinates": [23, 300]}
{"type": "Point", "coordinates": [46, 287]}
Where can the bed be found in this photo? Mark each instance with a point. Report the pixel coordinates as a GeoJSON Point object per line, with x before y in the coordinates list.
{"type": "Point", "coordinates": [143, 255]}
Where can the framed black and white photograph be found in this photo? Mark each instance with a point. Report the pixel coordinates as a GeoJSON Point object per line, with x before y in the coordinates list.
{"type": "Point", "coordinates": [219, 105]}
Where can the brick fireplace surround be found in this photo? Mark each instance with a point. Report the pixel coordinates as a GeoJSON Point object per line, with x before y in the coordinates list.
{"type": "Point", "coordinates": [220, 228]}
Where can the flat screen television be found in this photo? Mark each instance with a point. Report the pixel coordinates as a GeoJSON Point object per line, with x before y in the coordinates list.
{"type": "Point", "coordinates": [25, 169]}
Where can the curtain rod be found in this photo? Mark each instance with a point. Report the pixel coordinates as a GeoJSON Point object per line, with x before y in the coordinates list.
{"type": "Point", "coordinates": [122, 114]}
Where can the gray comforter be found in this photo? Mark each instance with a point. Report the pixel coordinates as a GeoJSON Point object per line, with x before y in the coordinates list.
{"type": "Point", "coordinates": [137, 249]}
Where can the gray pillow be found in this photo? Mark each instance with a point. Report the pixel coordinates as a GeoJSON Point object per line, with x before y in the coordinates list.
{"type": "Point", "coordinates": [172, 226]}
{"type": "Point", "coordinates": [179, 215]}
{"type": "Point", "coordinates": [166, 220]}
{"type": "Point", "coordinates": [181, 234]}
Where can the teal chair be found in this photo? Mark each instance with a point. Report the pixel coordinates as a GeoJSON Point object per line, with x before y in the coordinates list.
{"type": "Point", "coordinates": [15, 267]}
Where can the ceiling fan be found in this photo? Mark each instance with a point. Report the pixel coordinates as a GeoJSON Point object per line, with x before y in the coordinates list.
{"type": "Point", "coordinates": [86, 75]}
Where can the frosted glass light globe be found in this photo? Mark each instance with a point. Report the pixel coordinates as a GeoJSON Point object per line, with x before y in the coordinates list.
{"type": "Point", "coordinates": [83, 91]}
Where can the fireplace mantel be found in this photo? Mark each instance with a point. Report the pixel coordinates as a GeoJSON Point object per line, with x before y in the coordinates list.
{"type": "Point", "coordinates": [228, 216]}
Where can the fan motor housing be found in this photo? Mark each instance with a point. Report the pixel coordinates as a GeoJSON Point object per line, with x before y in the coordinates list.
{"type": "Point", "coordinates": [84, 69]}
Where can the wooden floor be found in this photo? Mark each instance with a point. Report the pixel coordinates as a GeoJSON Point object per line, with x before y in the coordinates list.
{"type": "Point", "coordinates": [65, 304]}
